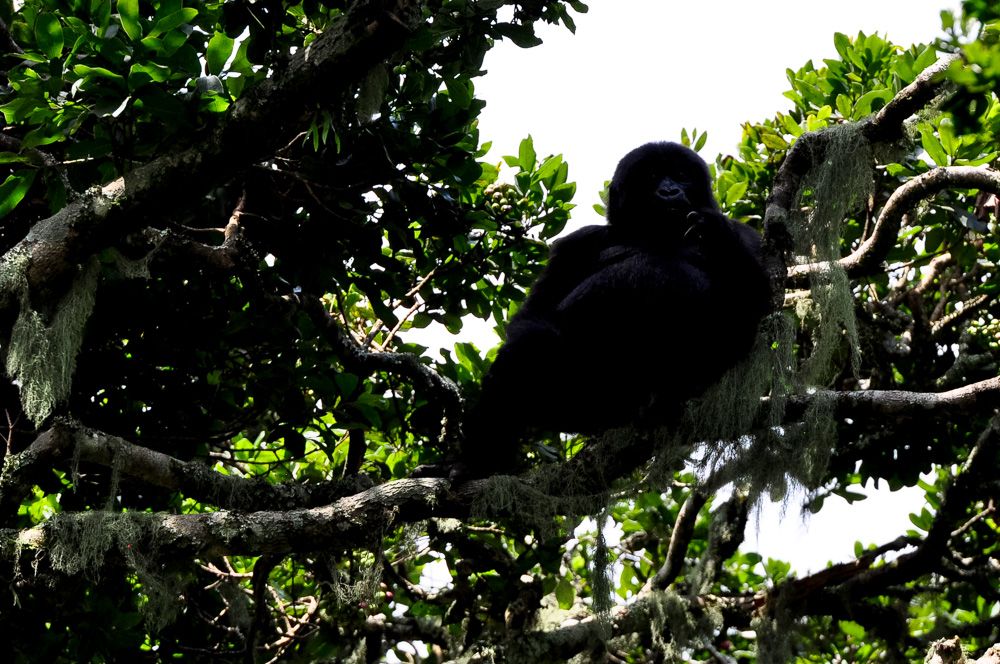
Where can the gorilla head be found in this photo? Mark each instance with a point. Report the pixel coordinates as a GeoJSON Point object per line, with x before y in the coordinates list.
{"type": "Point", "coordinates": [658, 183]}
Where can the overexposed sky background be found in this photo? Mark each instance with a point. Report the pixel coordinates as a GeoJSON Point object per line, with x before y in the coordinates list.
{"type": "Point", "coordinates": [641, 70]}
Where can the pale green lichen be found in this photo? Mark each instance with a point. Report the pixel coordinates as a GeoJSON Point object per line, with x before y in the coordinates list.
{"type": "Point", "coordinates": [81, 542]}
{"type": "Point", "coordinates": [677, 626]}
{"type": "Point", "coordinates": [832, 190]}
{"type": "Point", "coordinates": [42, 352]}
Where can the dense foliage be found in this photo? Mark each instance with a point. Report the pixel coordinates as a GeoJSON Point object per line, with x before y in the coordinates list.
{"type": "Point", "coordinates": [220, 220]}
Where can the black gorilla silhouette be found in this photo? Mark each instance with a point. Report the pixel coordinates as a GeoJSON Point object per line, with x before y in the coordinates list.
{"type": "Point", "coordinates": [629, 320]}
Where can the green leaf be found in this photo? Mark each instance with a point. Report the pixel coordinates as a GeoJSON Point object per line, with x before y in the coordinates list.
{"type": "Point", "coordinates": [220, 47]}
{"type": "Point", "coordinates": [844, 106]}
{"type": "Point", "coordinates": [933, 147]}
{"type": "Point", "coordinates": [526, 154]}
{"type": "Point", "coordinates": [100, 12]}
{"type": "Point", "coordinates": [128, 12]}
{"type": "Point", "coordinates": [548, 168]}
{"type": "Point", "coordinates": [14, 189]}
{"type": "Point", "coordinates": [700, 143]}
{"type": "Point", "coordinates": [49, 34]}
{"type": "Point", "coordinates": [565, 594]}
{"type": "Point", "coordinates": [627, 581]}
{"type": "Point", "coordinates": [142, 73]}
{"type": "Point", "coordinates": [562, 193]}
{"type": "Point", "coordinates": [13, 158]}
{"type": "Point", "coordinates": [397, 463]}
{"type": "Point", "coordinates": [923, 520]}
{"type": "Point", "coordinates": [736, 191]}
{"type": "Point", "coordinates": [946, 132]}
{"type": "Point", "coordinates": [927, 57]}
{"type": "Point", "coordinates": [777, 569]}
{"type": "Point", "coordinates": [460, 91]}
{"type": "Point", "coordinates": [19, 108]}
{"type": "Point", "coordinates": [852, 629]}
{"type": "Point", "coordinates": [174, 20]}
{"type": "Point", "coordinates": [866, 105]}
{"type": "Point", "coordinates": [468, 357]}
{"type": "Point", "coordinates": [842, 43]}
{"type": "Point", "coordinates": [979, 161]}
{"type": "Point", "coordinates": [789, 124]}
{"type": "Point", "coordinates": [522, 35]}
{"type": "Point", "coordinates": [773, 141]}
{"type": "Point", "coordinates": [83, 71]}
{"type": "Point", "coordinates": [45, 134]}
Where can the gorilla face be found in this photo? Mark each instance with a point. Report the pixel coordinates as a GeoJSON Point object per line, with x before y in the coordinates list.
{"type": "Point", "coordinates": [659, 184]}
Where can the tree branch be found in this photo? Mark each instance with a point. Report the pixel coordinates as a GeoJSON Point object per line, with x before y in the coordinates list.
{"type": "Point", "coordinates": [679, 540]}
{"type": "Point", "coordinates": [868, 257]}
{"type": "Point", "coordinates": [363, 361]}
{"type": "Point", "coordinates": [980, 396]}
{"type": "Point", "coordinates": [67, 440]}
{"type": "Point", "coordinates": [887, 125]}
{"type": "Point", "coordinates": [347, 522]}
{"type": "Point", "coordinates": [851, 581]}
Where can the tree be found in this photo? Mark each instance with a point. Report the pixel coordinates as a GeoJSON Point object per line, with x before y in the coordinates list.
{"type": "Point", "coordinates": [221, 219]}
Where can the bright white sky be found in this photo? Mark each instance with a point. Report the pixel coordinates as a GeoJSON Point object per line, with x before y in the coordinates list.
{"type": "Point", "coordinates": [641, 70]}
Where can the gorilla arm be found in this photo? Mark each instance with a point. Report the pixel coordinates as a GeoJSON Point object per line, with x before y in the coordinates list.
{"type": "Point", "coordinates": [529, 367]}
{"type": "Point", "coordinates": [571, 260]}
{"type": "Point", "coordinates": [732, 253]}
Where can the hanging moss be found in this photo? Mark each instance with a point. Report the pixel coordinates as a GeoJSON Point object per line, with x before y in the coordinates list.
{"type": "Point", "coordinates": [80, 543]}
{"type": "Point", "coordinates": [775, 628]}
{"type": "Point", "coordinates": [832, 190]}
{"type": "Point", "coordinates": [42, 354]}
{"type": "Point", "coordinates": [600, 574]}
{"type": "Point", "coordinates": [360, 586]}
{"type": "Point", "coordinates": [732, 407]}
{"type": "Point", "coordinates": [741, 440]}
{"type": "Point", "coordinates": [676, 626]}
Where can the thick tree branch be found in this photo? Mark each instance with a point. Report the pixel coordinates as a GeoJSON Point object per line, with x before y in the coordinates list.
{"type": "Point", "coordinates": [68, 442]}
{"type": "Point", "coordinates": [640, 617]}
{"type": "Point", "coordinates": [852, 581]}
{"type": "Point", "coordinates": [887, 125]}
{"type": "Point", "coordinates": [680, 538]}
{"type": "Point", "coordinates": [347, 522]}
{"type": "Point", "coordinates": [868, 257]}
{"type": "Point", "coordinates": [352, 520]}
{"type": "Point", "coordinates": [200, 482]}
{"type": "Point", "coordinates": [977, 397]}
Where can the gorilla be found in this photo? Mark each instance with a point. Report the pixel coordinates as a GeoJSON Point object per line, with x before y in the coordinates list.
{"type": "Point", "coordinates": [629, 320]}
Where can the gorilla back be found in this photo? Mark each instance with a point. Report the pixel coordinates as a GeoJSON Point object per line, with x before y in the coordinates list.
{"type": "Point", "coordinates": [629, 320]}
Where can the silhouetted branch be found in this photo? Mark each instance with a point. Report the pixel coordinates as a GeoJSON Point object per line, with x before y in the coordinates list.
{"type": "Point", "coordinates": [363, 361]}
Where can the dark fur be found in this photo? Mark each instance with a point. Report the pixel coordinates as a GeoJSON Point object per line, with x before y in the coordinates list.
{"type": "Point", "coordinates": [584, 352]}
